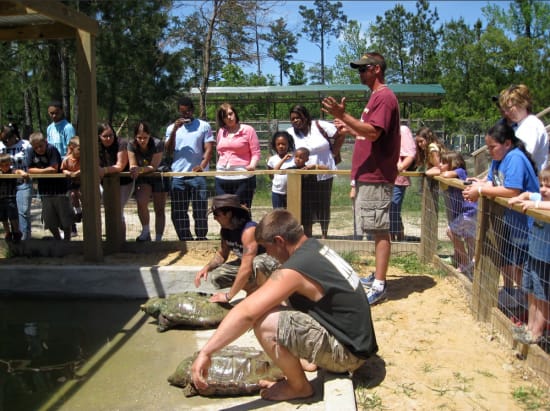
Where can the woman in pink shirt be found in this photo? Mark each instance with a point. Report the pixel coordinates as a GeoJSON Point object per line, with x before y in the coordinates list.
{"type": "Point", "coordinates": [407, 157]}
{"type": "Point", "coordinates": [238, 150]}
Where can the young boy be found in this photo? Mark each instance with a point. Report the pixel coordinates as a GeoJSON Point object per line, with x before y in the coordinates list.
{"type": "Point", "coordinates": [301, 157]}
{"type": "Point", "coordinates": [536, 273]}
{"type": "Point", "coordinates": [71, 168]}
{"type": "Point", "coordinates": [8, 205]}
{"type": "Point", "coordinates": [44, 158]}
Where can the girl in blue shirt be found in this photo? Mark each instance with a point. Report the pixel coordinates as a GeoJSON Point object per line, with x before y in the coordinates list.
{"type": "Point", "coordinates": [512, 172]}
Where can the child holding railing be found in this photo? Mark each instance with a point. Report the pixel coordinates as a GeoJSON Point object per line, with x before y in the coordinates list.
{"type": "Point", "coordinates": [282, 145]}
{"type": "Point", "coordinates": [536, 272]}
{"type": "Point", "coordinates": [461, 213]}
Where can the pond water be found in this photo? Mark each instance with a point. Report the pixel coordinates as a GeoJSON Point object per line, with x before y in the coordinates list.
{"type": "Point", "coordinates": [79, 354]}
{"type": "Point", "coordinates": [44, 342]}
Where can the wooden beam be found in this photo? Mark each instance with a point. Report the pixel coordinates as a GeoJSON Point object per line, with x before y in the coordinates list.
{"type": "Point", "coordinates": [87, 130]}
{"type": "Point", "coordinates": [37, 32]}
{"type": "Point", "coordinates": [57, 11]}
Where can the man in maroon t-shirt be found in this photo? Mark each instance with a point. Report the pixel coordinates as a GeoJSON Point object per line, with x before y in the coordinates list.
{"type": "Point", "coordinates": [374, 162]}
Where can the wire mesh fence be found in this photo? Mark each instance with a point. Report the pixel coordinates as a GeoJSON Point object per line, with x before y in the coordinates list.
{"type": "Point", "coordinates": [492, 262]}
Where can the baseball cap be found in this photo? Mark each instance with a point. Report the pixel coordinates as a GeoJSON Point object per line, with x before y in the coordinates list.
{"type": "Point", "coordinates": [364, 60]}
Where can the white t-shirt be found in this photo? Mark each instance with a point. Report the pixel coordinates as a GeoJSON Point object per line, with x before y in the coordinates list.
{"type": "Point", "coordinates": [279, 180]}
{"type": "Point", "coordinates": [532, 132]}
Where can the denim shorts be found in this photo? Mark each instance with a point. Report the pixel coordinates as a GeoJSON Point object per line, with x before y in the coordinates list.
{"type": "Point", "coordinates": [305, 338]}
{"type": "Point", "coordinates": [464, 227]}
{"type": "Point", "coordinates": [536, 279]}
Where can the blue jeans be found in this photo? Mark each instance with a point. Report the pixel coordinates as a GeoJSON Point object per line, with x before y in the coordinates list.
{"type": "Point", "coordinates": [396, 222]}
{"type": "Point", "coordinates": [278, 200]}
{"type": "Point", "coordinates": [244, 188]}
{"type": "Point", "coordinates": [24, 199]}
{"type": "Point", "coordinates": [187, 190]}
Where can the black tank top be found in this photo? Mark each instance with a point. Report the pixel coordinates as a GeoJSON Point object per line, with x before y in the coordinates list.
{"type": "Point", "coordinates": [344, 309]}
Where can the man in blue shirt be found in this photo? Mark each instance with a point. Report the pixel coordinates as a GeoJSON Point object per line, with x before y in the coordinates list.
{"type": "Point", "coordinates": [60, 131]}
{"type": "Point", "coordinates": [189, 143]}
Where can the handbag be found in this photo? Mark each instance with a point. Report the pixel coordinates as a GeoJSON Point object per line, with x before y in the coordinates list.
{"type": "Point", "coordinates": [335, 142]}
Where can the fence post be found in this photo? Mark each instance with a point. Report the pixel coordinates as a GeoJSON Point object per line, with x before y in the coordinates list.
{"type": "Point", "coordinates": [429, 220]}
{"type": "Point", "coordinates": [294, 195]}
{"type": "Point", "coordinates": [114, 229]}
{"type": "Point", "coordinates": [486, 272]}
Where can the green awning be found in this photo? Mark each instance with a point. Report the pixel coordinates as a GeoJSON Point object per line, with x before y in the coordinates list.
{"type": "Point", "coordinates": [352, 92]}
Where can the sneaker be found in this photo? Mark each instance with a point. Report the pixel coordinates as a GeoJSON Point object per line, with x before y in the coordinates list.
{"type": "Point", "coordinates": [518, 329]}
{"type": "Point", "coordinates": [375, 296]}
{"type": "Point", "coordinates": [144, 237]}
{"type": "Point", "coordinates": [527, 338]}
{"type": "Point", "coordinates": [367, 282]}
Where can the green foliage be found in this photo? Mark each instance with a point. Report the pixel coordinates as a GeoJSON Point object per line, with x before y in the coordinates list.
{"type": "Point", "coordinates": [325, 20]}
{"type": "Point", "coordinates": [282, 46]}
{"type": "Point", "coordinates": [350, 48]}
{"type": "Point", "coordinates": [297, 74]}
{"type": "Point", "coordinates": [532, 398]}
{"type": "Point", "coordinates": [147, 57]}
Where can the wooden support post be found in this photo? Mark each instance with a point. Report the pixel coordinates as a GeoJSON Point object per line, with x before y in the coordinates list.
{"type": "Point", "coordinates": [87, 130]}
{"type": "Point", "coordinates": [429, 219]}
{"type": "Point", "coordinates": [294, 195]}
{"type": "Point", "coordinates": [114, 227]}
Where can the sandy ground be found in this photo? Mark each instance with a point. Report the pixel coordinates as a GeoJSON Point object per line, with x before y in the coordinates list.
{"type": "Point", "coordinates": [432, 354]}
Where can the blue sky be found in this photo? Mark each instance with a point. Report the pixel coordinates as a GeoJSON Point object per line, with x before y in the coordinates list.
{"type": "Point", "coordinates": [366, 11]}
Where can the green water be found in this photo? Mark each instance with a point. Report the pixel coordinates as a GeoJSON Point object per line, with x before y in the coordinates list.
{"type": "Point", "coordinates": [44, 342]}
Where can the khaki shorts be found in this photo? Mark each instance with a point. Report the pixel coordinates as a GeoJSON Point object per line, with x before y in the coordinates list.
{"type": "Point", "coordinates": [224, 275]}
{"type": "Point", "coordinates": [372, 207]}
{"type": "Point", "coordinates": [305, 338]}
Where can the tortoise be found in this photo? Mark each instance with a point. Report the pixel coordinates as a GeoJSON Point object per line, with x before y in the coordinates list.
{"type": "Point", "coordinates": [190, 309]}
{"type": "Point", "coordinates": [233, 371]}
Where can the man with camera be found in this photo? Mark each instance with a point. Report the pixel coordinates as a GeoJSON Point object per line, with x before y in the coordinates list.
{"type": "Point", "coordinates": [189, 145]}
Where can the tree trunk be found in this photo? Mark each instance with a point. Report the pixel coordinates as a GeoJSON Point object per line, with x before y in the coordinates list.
{"type": "Point", "coordinates": [37, 106]}
{"type": "Point", "coordinates": [206, 56]}
{"type": "Point", "coordinates": [65, 81]}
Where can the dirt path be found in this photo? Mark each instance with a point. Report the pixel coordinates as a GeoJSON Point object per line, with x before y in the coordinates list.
{"type": "Point", "coordinates": [432, 355]}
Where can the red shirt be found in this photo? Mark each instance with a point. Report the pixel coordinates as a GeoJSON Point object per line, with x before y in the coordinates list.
{"type": "Point", "coordinates": [376, 161]}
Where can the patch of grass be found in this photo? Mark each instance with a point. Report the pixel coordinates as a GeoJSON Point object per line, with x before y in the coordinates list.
{"type": "Point", "coordinates": [352, 257]}
{"type": "Point", "coordinates": [427, 368]}
{"type": "Point", "coordinates": [412, 265]}
{"type": "Point", "coordinates": [532, 398]}
{"type": "Point", "coordinates": [463, 381]}
{"type": "Point", "coordinates": [368, 401]}
{"type": "Point", "coordinates": [441, 391]}
{"type": "Point", "coordinates": [407, 389]}
{"type": "Point", "coordinates": [486, 373]}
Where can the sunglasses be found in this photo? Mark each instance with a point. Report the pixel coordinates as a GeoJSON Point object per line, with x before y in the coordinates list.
{"type": "Point", "coordinates": [362, 69]}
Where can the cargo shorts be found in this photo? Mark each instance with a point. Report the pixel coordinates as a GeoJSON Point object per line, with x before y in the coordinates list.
{"type": "Point", "coordinates": [305, 338]}
{"type": "Point", "coordinates": [224, 275]}
{"type": "Point", "coordinates": [372, 207]}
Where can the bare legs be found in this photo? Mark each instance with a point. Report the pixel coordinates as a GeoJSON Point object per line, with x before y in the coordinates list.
{"type": "Point", "coordinates": [296, 385]}
{"type": "Point", "coordinates": [382, 251]}
{"type": "Point", "coordinates": [143, 195]}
